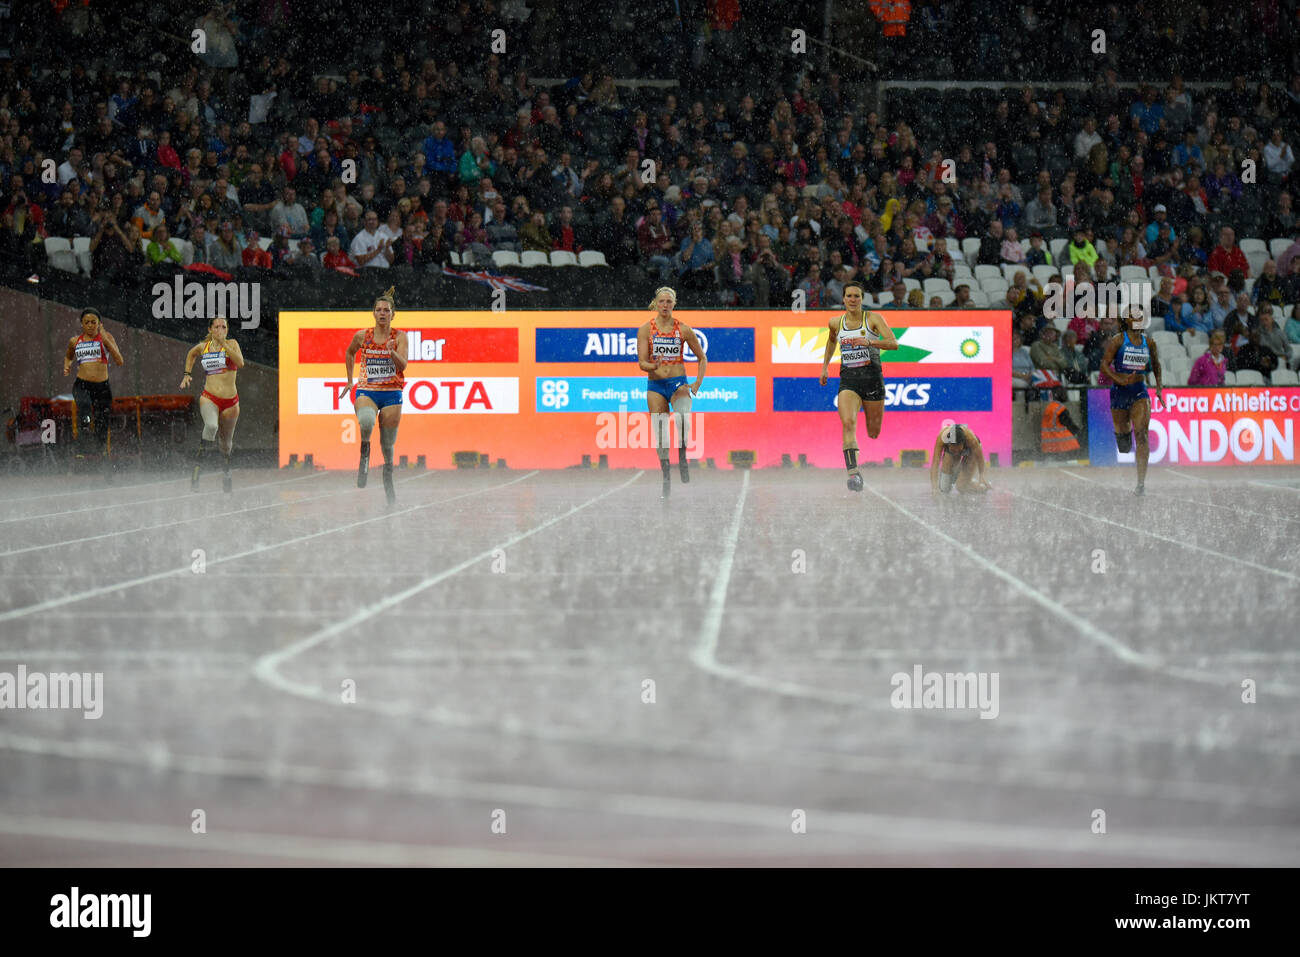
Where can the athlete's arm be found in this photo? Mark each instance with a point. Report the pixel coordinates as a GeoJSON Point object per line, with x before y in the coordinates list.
{"type": "Point", "coordinates": [397, 349]}
{"type": "Point", "coordinates": [702, 365]}
{"type": "Point", "coordinates": [190, 358]}
{"type": "Point", "coordinates": [67, 358]}
{"type": "Point", "coordinates": [974, 443]}
{"type": "Point", "coordinates": [831, 341]}
{"type": "Point", "coordinates": [111, 343]}
{"type": "Point", "coordinates": [351, 354]}
{"type": "Point", "coordinates": [1155, 366]}
{"type": "Point", "coordinates": [934, 462]}
{"type": "Point", "coordinates": [881, 327]}
{"type": "Point", "coordinates": [643, 349]}
{"type": "Point", "coordinates": [235, 354]}
{"type": "Point", "coordinates": [1108, 357]}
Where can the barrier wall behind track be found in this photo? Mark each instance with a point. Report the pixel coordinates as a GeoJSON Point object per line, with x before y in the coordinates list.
{"type": "Point", "coordinates": [543, 389]}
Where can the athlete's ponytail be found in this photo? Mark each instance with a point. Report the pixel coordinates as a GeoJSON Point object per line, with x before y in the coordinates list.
{"type": "Point", "coordinates": [389, 297]}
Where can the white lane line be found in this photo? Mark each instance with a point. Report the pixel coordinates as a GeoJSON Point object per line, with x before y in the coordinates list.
{"type": "Point", "coordinates": [1270, 847]}
{"type": "Point", "coordinates": [287, 846]}
{"type": "Point", "coordinates": [1241, 510]}
{"type": "Point", "coordinates": [705, 653]}
{"type": "Point", "coordinates": [267, 667]}
{"type": "Point", "coordinates": [91, 488]}
{"type": "Point", "coordinates": [257, 550]}
{"type": "Point", "coordinates": [1169, 468]}
{"type": "Point", "coordinates": [198, 518]}
{"type": "Point", "coordinates": [1164, 538]}
{"type": "Point", "coordinates": [192, 496]}
{"type": "Point", "coordinates": [1275, 485]}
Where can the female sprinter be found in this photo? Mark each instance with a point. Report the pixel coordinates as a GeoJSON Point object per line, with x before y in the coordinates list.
{"type": "Point", "coordinates": [860, 336]}
{"type": "Point", "coordinates": [958, 457]}
{"type": "Point", "coordinates": [661, 350]}
{"type": "Point", "coordinates": [221, 359]}
{"type": "Point", "coordinates": [379, 386]}
{"type": "Point", "coordinates": [1125, 362]}
{"type": "Point", "coordinates": [91, 351]}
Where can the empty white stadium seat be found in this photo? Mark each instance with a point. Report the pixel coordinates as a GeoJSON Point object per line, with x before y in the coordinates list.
{"type": "Point", "coordinates": [531, 257]}
{"type": "Point", "coordinates": [935, 286]}
{"type": "Point", "coordinates": [1249, 246]}
{"type": "Point", "coordinates": [1057, 246]}
{"type": "Point", "coordinates": [58, 251]}
{"type": "Point", "coordinates": [988, 272]}
{"type": "Point", "coordinates": [1044, 274]}
{"type": "Point", "coordinates": [1196, 347]}
{"type": "Point", "coordinates": [1009, 271]}
{"type": "Point", "coordinates": [1230, 378]}
{"type": "Point", "coordinates": [1133, 274]}
{"type": "Point", "coordinates": [1276, 247]}
{"type": "Point", "coordinates": [562, 257]}
{"type": "Point", "coordinates": [970, 248]}
{"type": "Point", "coordinates": [1285, 377]}
{"type": "Point", "coordinates": [505, 257]}
{"type": "Point", "coordinates": [81, 249]}
{"type": "Point", "coordinates": [591, 257]}
{"type": "Point", "coordinates": [1249, 377]}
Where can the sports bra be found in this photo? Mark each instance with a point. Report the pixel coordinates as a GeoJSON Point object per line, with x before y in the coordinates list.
{"type": "Point", "coordinates": [90, 350]}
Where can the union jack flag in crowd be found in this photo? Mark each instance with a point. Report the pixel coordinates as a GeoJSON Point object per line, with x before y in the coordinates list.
{"type": "Point", "coordinates": [495, 280]}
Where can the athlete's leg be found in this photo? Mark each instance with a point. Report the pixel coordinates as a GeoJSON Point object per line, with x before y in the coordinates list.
{"type": "Point", "coordinates": [849, 403]}
{"type": "Point", "coordinates": [367, 413]}
{"type": "Point", "coordinates": [208, 440]}
{"type": "Point", "coordinates": [389, 417]}
{"type": "Point", "coordinates": [1140, 413]}
{"type": "Point", "coordinates": [875, 414]}
{"type": "Point", "coordinates": [682, 416]}
{"type": "Point", "coordinates": [966, 476]}
{"type": "Point", "coordinates": [103, 407]}
{"type": "Point", "coordinates": [226, 440]}
{"type": "Point", "coordinates": [659, 425]}
{"type": "Point", "coordinates": [1123, 430]}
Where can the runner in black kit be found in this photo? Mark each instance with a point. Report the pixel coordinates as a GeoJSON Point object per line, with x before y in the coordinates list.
{"type": "Point", "coordinates": [89, 354]}
{"type": "Point", "coordinates": [860, 336]}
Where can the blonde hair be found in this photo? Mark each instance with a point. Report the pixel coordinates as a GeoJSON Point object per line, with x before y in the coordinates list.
{"type": "Point", "coordinates": [659, 292]}
{"type": "Point", "coordinates": [388, 297]}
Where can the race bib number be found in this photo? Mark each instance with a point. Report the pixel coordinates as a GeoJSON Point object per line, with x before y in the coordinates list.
{"type": "Point", "coordinates": [666, 349]}
{"type": "Point", "coordinates": [213, 362]}
{"type": "Point", "coordinates": [377, 369]}
{"type": "Point", "coordinates": [855, 353]}
{"type": "Point", "coordinates": [88, 352]}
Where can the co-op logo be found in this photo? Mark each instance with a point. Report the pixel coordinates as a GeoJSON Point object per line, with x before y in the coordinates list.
{"type": "Point", "coordinates": [555, 393]}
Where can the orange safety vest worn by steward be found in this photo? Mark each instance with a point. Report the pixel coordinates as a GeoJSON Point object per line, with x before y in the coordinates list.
{"type": "Point", "coordinates": [893, 16]}
{"type": "Point", "coordinates": [377, 369]}
{"type": "Point", "coordinates": [1056, 437]}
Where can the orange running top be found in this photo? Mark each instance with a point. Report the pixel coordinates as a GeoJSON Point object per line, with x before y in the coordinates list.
{"type": "Point", "coordinates": [377, 369]}
{"type": "Point", "coordinates": [667, 349]}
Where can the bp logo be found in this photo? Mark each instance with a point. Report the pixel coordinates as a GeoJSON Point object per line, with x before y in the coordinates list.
{"type": "Point", "coordinates": [970, 348]}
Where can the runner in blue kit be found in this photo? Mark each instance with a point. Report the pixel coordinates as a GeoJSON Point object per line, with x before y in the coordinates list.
{"type": "Point", "coordinates": [860, 336]}
{"type": "Point", "coordinates": [661, 352]}
{"type": "Point", "coordinates": [1126, 361]}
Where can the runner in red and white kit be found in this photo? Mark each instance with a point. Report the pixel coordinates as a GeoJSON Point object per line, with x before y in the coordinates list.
{"type": "Point", "coordinates": [661, 352]}
{"type": "Point", "coordinates": [220, 359]}
{"type": "Point", "coordinates": [379, 386]}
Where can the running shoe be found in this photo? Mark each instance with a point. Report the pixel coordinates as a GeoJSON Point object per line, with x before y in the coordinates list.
{"type": "Point", "coordinates": [1140, 490]}
{"type": "Point", "coordinates": [855, 482]}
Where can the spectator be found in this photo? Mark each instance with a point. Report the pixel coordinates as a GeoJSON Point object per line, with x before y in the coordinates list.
{"type": "Point", "coordinates": [1293, 330]}
{"type": "Point", "coordinates": [899, 292]}
{"type": "Point", "coordinates": [225, 252]}
{"type": "Point", "coordinates": [1046, 353]}
{"type": "Point", "coordinates": [1022, 366]}
{"type": "Point", "coordinates": [1196, 317]}
{"type": "Point", "coordinates": [1238, 322]}
{"type": "Point", "coordinates": [1038, 255]}
{"type": "Point", "coordinates": [1272, 339]}
{"type": "Point", "coordinates": [1041, 213]}
{"type": "Point", "coordinates": [1012, 252]}
{"type": "Point", "coordinates": [733, 275]}
{"type": "Point", "coordinates": [162, 248]}
{"type": "Point", "coordinates": [1161, 216]}
{"type": "Point", "coordinates": [1210, 367]}
{"type": "Point", "coordinates": [1095, 347]}
{"type": "Point", "coordinates": [1076, 365]}
{"type": "Point", "coordinates": [616, 237]}
{"type": "Point", "coordinates": [1228, 256]}
{"type": "Point", "coordinates": [304, 258]}
{"type": "Point", "coordinates": [655, 242]}
{"type": "Point", "coordinates": [1081, 250]}
{"type": "Point", "coordinates": [1268, 287]}
{"type": "Point", "coordinates": [149, 215]}
{"type": "Point", "coordinates": [1254, 356]}
{"type": "Point", "coordinates": [1083, 326]}
{"type": "Point", "coordinates": [534, 235]}
{"type": "Point", "coordinates": [336, 259]}
{"type": "Point", "coordinates": [369, 248]}
{"type": "Point", "coordinates": [289, 212]}
{"type": "Point", "coordinates": [1278, 156]}
{"type": "Point", "coordinates": [990, 253]}
{"type": "Point", "coordinates": [254, 255]}
{"type": "Point", "coordinates": [695, 259]}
